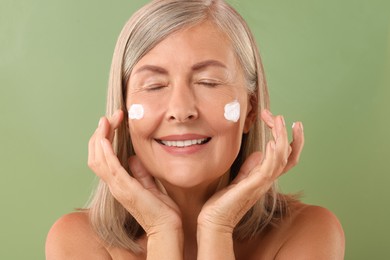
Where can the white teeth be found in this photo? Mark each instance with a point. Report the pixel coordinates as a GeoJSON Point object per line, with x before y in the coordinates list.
{"type": "Point", "coordinates": [184, 143]}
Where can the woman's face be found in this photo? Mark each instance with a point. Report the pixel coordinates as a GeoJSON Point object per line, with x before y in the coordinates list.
{"type": "Point", "coordinates": [183, 84]}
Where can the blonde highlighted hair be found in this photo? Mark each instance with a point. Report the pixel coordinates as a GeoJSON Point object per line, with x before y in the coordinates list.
{"type": "Point", "coordinates": [145, 29]}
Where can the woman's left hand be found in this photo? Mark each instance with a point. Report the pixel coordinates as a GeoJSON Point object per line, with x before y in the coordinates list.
{"type": "Point", "coordinates": [224, 210]}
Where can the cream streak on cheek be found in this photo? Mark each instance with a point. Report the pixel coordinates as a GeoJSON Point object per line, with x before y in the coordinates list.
{"type": "Point", "coordinates": [136, 111]}
{"type": "Point", "coordinates": [232, 111]}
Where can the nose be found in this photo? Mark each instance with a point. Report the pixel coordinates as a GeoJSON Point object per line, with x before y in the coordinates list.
{"type": "Point", "coordinates": [182, 104]}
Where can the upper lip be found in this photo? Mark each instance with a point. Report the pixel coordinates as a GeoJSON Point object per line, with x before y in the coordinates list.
{"type": "Point", "coordinates": [182, 137]}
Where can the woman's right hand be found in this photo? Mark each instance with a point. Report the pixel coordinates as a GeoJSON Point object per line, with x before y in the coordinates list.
{"type": "Point", "coordinates": [155, 211]}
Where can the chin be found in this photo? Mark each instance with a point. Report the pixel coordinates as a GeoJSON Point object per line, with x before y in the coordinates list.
{"type": "Point", "coordinates": [188, 177]}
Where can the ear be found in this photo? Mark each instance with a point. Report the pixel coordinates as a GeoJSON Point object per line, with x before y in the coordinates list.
{"type": "Point", "coordinates": [251, 114]}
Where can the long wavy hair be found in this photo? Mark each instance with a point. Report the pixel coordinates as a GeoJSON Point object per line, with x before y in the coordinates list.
{"type": "Point", "coordinates": [145, 29]}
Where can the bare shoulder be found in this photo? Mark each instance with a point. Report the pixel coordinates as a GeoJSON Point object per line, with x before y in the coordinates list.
{"type": "Point", "coordinates": [312, 232]}
{"type": "Point", "coordinates": [72, 237]}
{"type": "Point", "coordinates": [307, 232]}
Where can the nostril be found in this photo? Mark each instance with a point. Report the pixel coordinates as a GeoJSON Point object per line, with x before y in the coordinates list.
{"type": "Point", "coordinates": [183, 117]}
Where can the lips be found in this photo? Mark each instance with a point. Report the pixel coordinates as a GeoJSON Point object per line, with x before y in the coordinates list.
{"type": "Point", "coordinates": [184, 143]}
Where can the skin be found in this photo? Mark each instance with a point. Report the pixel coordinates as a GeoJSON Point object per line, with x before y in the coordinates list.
{"type": "Point", "coordinates": [194, 215]}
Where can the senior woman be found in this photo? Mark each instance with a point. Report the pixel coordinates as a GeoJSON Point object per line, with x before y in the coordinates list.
{"type": "Point", "coordinates": [188, 154]}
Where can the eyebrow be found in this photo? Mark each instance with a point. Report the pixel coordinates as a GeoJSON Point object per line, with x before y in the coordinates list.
{"type": "Point", "coordinates": [151, 68]}
{"type": "Point", "coordinates": [196, 67]}
{"type": "Point", "coordinates": [203, 64]}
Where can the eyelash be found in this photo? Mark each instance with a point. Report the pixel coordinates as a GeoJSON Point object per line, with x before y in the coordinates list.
{"type": "Point", "coordinates": [204, 83]}
{"type": "Point", "coordinates": [209, 84]}
{"type": "Point", "coordinates": [155, 87]}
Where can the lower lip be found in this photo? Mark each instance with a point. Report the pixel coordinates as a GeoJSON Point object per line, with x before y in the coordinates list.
{"type": "Point", "coordinates": [183, 150]}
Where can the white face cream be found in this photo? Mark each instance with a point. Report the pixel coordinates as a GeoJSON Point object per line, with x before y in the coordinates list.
{"type": "Point", "coordinates": [136, 111]}
{"type": "Point", "coordinates": [232, 111]}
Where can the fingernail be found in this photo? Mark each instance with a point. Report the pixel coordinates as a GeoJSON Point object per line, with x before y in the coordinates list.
{"type": "Point", "coordinates": [301, 125]}
{"type": "Point", "coordinates": [100, 121]}
{"type": "Point", "coordinates": [293, 125]}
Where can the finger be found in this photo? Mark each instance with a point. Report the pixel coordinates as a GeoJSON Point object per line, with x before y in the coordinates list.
{"type": "Point", "coordinates": [282, 145]}
{"type": "Point", "coordinates": [261, 176]}
{"type": "Point", "coordinates": [116, 172]}
{"type": "Point", "coordinates": [280, 128]}
{"type": "Point", "coordinates": [95, 155]}
{"type": "Point", "coordinates": [250, 163]}
{"type": "Point", "coordinates": [141, 174]}
{"type": "Point", "coordinates": [91, 150]}
{"type": "Point", "coordinates": [114, 123]}
{"type": "Point", "coordinates": [269, 119]}
{"type": "Point", "coordinates": [296, 146]}
{"type": "Point", "coordinates": [141, 203]}
{"type": "Point", "coordinates": [245, 191]}
{"type": "Point", "coordinates": [106, 129]}
{"type": "Point", "coordinates": [100, 134]}
{"type": "Point", "coordinates": [127, 190]}
{"type": "Point", "coordinates": [236, 199]}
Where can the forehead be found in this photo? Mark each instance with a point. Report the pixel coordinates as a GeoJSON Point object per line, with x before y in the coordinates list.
{"type": "Point", "coordinates": [204, 41]}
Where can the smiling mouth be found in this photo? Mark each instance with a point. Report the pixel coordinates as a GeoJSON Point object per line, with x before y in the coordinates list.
{"type": "Point", "coordinates": [184, 143]}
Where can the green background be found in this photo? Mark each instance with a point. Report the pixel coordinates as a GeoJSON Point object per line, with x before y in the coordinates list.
{"type": "Point", "coordinates": [327, 64]}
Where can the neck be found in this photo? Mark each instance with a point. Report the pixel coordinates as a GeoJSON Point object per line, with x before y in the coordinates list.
{"type": "Point", "coordinates": [190, 202]}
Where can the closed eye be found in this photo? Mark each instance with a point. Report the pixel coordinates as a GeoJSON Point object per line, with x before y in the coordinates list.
{"type": "Point", "coordinates": [155, 87]}
{"type": "Point", "coordinates": [210, 84]}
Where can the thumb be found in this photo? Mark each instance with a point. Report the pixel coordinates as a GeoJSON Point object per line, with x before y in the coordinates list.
{"type": "Point", "coordinates": [250, 163]}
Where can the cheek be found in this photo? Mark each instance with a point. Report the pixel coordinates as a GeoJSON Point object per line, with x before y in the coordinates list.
{"type": "Point", "coordinates": [226, 114]}
{"type": "Point", "coordinates": [228, 103]}
{"type": "Point", "coordinates": [232, 111]}
{"type": "Point", "coordinates": [146, 126]}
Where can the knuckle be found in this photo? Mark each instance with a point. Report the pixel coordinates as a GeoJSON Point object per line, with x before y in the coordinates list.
{"type": "Point", "coordinates": [284, 160]}
{"type": "Point", "coordinates": [91, 164]}
{"type": "Point", "coordinates": [95, 165]}
{"type": "Point", "coordinates": [281, 165]}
